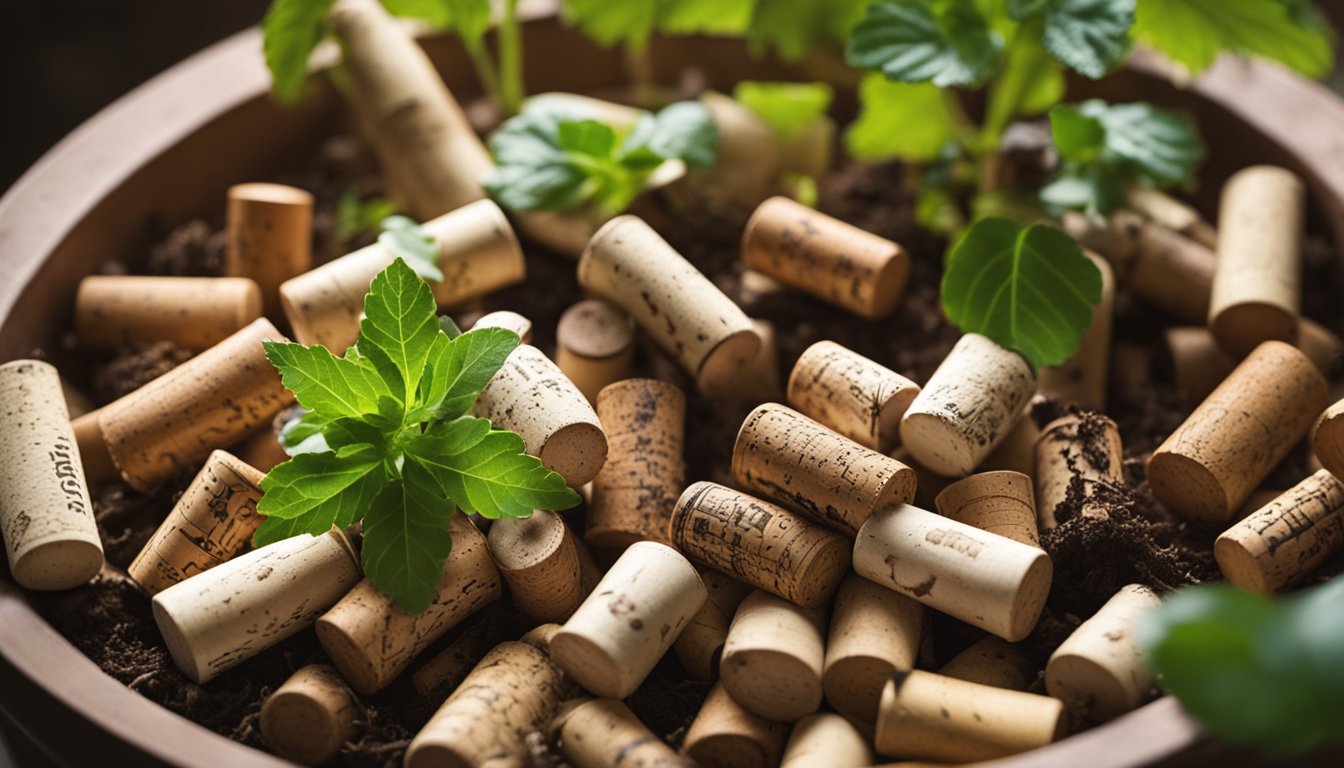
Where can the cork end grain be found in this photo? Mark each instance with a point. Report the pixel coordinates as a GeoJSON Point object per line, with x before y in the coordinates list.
{"type": "Point", "coordinates": [773, 684]}
{"type": "Point", "coordinates": [937, 444]}
{"type": "Point", "coordinates": [1242, 327]}
{"type": "Point", "coordinates": [823, 570]}
{"type": "Point", "coordinates": [1029, 600]}
{"type": "Point", "coordinates": [1087, 688]}
{"type": "Point", "coordinates": [178, 645]}
{"type": "Point", "coordinates": [348, 656]}
{"type": "Point", "coordinates": [726, 360]}
{"type": "Point", "coordinates": [889, 285]}
{"type": "Point", "coordinates": [527, 541]}
{"type": "Point", "coordinates": [1188, 488]}
{"type": "Point", "coordinates": [61, 563]}
{"type": "Point", "coordinates": [730, 750]}
{"type": "Point", "coordinates": [1328, 440]}
{"type": "Point", "coordinates": [853, 686]}
{"type": "Point", "coordinates": [274, 194]}
{"type": "Point", "coordinates": [595, 329]}
{"type": "Point", "coordinates": [591, 666]}
{"type": "Point", "coordinates": [576, 451]}
{"type": "Point", "coordinates": [1239, 566]}
{"type": "Point", "coordinates": [298, 728]}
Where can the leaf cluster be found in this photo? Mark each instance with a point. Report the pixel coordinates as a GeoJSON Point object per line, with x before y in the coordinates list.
{"type": "Point", "coordinates": [357, 216]}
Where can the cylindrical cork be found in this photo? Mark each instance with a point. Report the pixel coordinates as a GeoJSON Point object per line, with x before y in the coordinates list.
{"type": "Point", "coordinates": [764, 545]}
{"type": "Point", "coordinates": [874, 632]}
{"type": "Point", "coordinates": [774, 657]}
{"type": "Point", "coordinates": [594, 345]}
{"type": "Point", "coordinates": [604, 733]}
{"type": "Point", "coordinates": [475, 249]}
{"type": "Point", "coordinates": [194, 313]}
{"type": "Point", "coordinates": [634, 493]}
{"type": "Point", "coordinates": [512, 693]}
{"type": "Point", "coordinates": [1319, 343]}
{"type": "Point", "coordinates": [984, 579]}
{"type": "Point", "coordinates": [372, 641]}
{"type": "Point", "coordinates": [747, 160]}
{"type": "Point", "coordinates": [46, 515]}
{"type": "Point", "coordinates": [624, 627]}
{"type": "Point", "coordinates": [441, 675]}
{"type": "Point", "coordinates": [851, 394]}
{"type": "Point", "coordinates": [507, 320]}
{"type": "Point", "coordinates": [531, 396]}
{"type": "Point", "coordinates": [999, 502]}
{"type": "Point", "coordinates": [1257, 286]}
{"type": "Point", "coordinates": [793, 460]}
{"type": "Point", "coordinates": [270, 236]}
{"type": "Point", "coordinates": [928, 716]}
{"type": "Point", "coordinates": [700, 645]}
{"type": "Point", "coordinates": [758, 381]}
{"type": "Point", "coordinates": [211, 401]}
{"type": "Point", "coordinates": [1017, 451]}
{"type": "Point", "coordinates": [1075, 456]}
{"type": "Point", "coordinates": [991, 661]}
{"type": "Point", "coordinates": [828, 258]}
{"type": "Point", "coordinates": [968, 406]}
{"type": "Point", "coordinates": [724, 735]}
{"type": "Point", "coordinates": [630, 265]}
{"type": "Point", "coordinates": [1198, 364]}
{"type": "Point", "coordinates": [538, 559]}
{"type": "Point", "coordinates": [211, 522]}
{"type": "Point", "coordinates": [1171, 213]}
{"type": "Point", "coordinates": [1283, 541]}
{"type": "Point", "coordinates": [826, 740]}
{"type": "Point", "coordinates": [1099, 671]}
{"type": "Point", "coordinates": [310, 717]}
{"type": "Point", "coordinates": [232, 612]}
{"type": "Point", "coordinates": [98, 464]}
{"type": "Point", "coordinates": [1221, 453]}
{"type": "Point", "coordinates": [1082, 379]}
{"type": "Point", "coordinates": [1327, 441]}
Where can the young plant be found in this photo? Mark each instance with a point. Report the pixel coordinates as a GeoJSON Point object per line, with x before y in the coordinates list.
{"type": "Point", "coordinates": [794, 112]}
{"type": "Point", "coordinates": [388, 439]}
{"type": "Point", "coordinates": [356, 217]}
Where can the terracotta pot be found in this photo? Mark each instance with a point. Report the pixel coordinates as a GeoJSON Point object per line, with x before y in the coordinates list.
{"type": "Point", "coordinates": [169, 150]}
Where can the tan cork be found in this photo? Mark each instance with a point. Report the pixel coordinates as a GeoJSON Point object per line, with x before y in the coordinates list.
{"type": "Point", "coordinates": [748, 155]}
{"type": "Point", "coordinates": [826, 740]}
{"type": "Point", "coordinates": [594, 345]}
{"type": "Point", "coordinates": [193, 313]}
{"type": "Point", "coordinates": [98, 464]}
{"type": "Point", "coordinates": [539, 561]}
{"type": "Point", "coordinates": [604, 733]}
{"type": "Point", "coordinates": [1282, 542]}
{"type": "Point", "coordinates": [1327, 441]}
{"type": "Point", "coordinates": [874, 632]}
{"type": "Point", "coordinates": [310, 717]}
{"type": "Point", "coordinates": [699, 647]}
{"type": "Point", "coordinates": [851, 394]}
{"type": "Point", "coordinates": [992, 661]}
{"type": "Point", "coordinates": [999, 502]}
{"type": "Point", "coordinates": [1080, 452]}
{"type": "Point", "coordinates": [774, 656]}
{"type": "Point", "coordinates": [1198, 364]}
{"type": "Point", "coordinates": [1172, 214]}
{"type": "Point", "coordinates": [270, 237]}
{"type": "Point", "coordinates": [1099, 671]}
{"type": "Point", "coordinates": [441, 675]}
{"type": "Point", "coordinates": [1017, 451]}
{"type": "Point", "coordinates": [724, 735]}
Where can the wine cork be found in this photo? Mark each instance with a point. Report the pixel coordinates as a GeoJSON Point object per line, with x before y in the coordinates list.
{"type": "Point", "coordinates": [1257, 286]}
{"type": "Point", "coordinates": [46, 515]}
{"type": "Point", "coordinates": [1082, 379]}
{"type": "Point", "coordinates": [1324, 348]}
{"type": "Point", "coordinates": [211, 523]}
{"type": "Point", "coordinates": [1283, 541]}
{"type": "Point", "coordinates": [475, 248]}
{"type": "Point", "coordinates": [1099, 671]}
{"type": "Point", "coordinates": [628, 264]}
{"type": "Point", "coordinates": [445, 671]}
{"type": "Point", "coordinates": [1016, 452]}
{"type": "Point", "coordinates": [998, 502]}
{"type": "Point", "coordinates": [764, 545]}
{"type": "Point", "coordinates": [825, 257]}
{"type": "Point", "coordinates": [724, 735]}
{"type": "Point", "coordinates": [372, 641]}
{"type": "Point", "coordinates": [538, 559]}
{"type": "Point", "coordinates": [604, 733]}
{"type": "Point", "coordinates": [791, 459]}
{"type": "Point", "coordinates": [531, 396]}
{"type": "Point", "coordinates": [211, 401]}
{"type": "Point", "coordinates": [624, 627]}
{"type": "Point", "coordinates": [874, 632]}
{"type": "Point", "coordinates": [747, 159]}
{"type": "Point", "coordinates": [991, 661]}
{"type": "Point", "coordinates": [984, 579]}
{"type": "Point", "coordinates": [1198, 364]}
{"type": "Point", "coordinates": [193, 313]}
{"type": "Point", "coordinates": [1075, 455]}
{"type": "Point", "coordinates": [1171, 213]}
{"type": "Point", "coordinates": [851, 394]}
{"type": "Point", "coordinates": [511, 321]}
{"type": "Point", "coordinates": [634, 493]}
{"type": "Point", "coordinates": [98, 464]}
{"type": "Point", "coordinates": [232, 612]}
{"type": "Point", "coordinates": [928, 716]}
{"type": "Point", "coordinates": [310, 717]}
{"type": "Point", "coordinates": [826, 740]}
{"type": "Point", "coordinates": [512, 693]}
{"type": "Point", "coordinates": [758, 381]}
{"type": "Point", "coordinates": [967, 407]}
{"type": "Point", "coordinates": [1221, 453]}
{"type": "Point", "coordinates": [270, 237]}
{"type": "Point", "coordinates": [594, 345]}
{"type": "Point", "coordinates": [774, 657]}
{"type": "Point", "coordinates": [699, 647]}
{"type": "Point", "coordinates": [1327, 440]}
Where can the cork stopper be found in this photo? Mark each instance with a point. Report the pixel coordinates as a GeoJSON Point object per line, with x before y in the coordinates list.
{"type": "Point", "coordinates": [725, 735]}
{"type": "Point", "coordinates": [270, 235]}
{"type": "Point", "coordinates": [1198, 364]}
{"type": "Point", "coordinates": [826, 740]}
{"type": "Point", "coordinates": [1327, 440]}
{"type": "Point", "coordinates": [851, 394]}
{"type": "Point", "coordinates": [1076, 456]}
{"type": "Point", "coordinates": [1016, 452]}
{"type": "Point", "coordinates": [511, 321]}
{"type": "Point", "coordinates": [748, 155]}
{"type": "Point", "coordinates": [443, 673]}
{"type": "Point", "coordinates": [193, 313]}
{"type": "Point", "coordinates": [604, 733]}
{"type": "Point", "coordinates": [538, 559]}
{"type": "Point", "coordinates": [1171, 213]}
{"type": "Point", "coordinates": [700, 645]}
{"type": "Point", "coordinates": [758, 381]}
{"type": "Point", "coordinates": [310, 717]}
{"type": "Point", "coordinates": [1082, 379]}
{"type": "Point", "coordinates": [98, 464]}
{"type": "Point", "coordinates": [773, 659]}
{"type": "Point", "coordinates": [1099, 671]}
{"type": "Point", "coordinates": [1282, 542]}
{"type": "Point", "coordinates": [594, 345]}
{"type": "Point", "coordinates": [998, 502]}
{"type": "Point", "coordinates": [991, 661]}
{"type": "Point", "coordinates": [874, 632]}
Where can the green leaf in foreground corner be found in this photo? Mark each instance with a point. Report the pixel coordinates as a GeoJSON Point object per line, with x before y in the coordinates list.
{"type": "Point", "coordinates": [398, 328]}
{"type": "Point", "coordinates": [314, 491]}
{"type": "Point", "coordinates": [912, 42]}
{"type": "Point", "coordinates": [459, 368]}
{"type": "Point", "coordinates": [1031, 290]}
{"type": "Point", "coordinates": [909, 121]}
{"type": "Point", "coordinates": [322, 382]}
{"type": "Point", "coordinates": [405, 239]}
{"type": "Point", "coordinates": [1194, 32]}
{"type": "Point", "coordinates": [1090, 36]}
{"type": "Point", "coordinates": [789, 108]}
{"type": "Point", "coordinates": [408, 540]}
{"type": "Point", "coordinates": [290, 32]}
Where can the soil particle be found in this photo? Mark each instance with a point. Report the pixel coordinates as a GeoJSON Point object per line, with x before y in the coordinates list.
{"type": "Point", "coordinates": [127, 519]}
{"type": "Point", "coordinates": [133, 368]}
{"type": "Point", "coordinates": [195, 249]}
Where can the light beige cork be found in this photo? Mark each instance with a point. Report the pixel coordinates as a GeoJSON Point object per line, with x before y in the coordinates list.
{"type": "Point", "coordinates": [232, 612]}
{"type": "Point", "coordinates": [46, 516]}
{"type": "Point", "coordinates": [999, 502]}
{"type": "Point", "coordinates": [211, 522]}
{"type": "Point", "coordinates": [1082, 379]}
{"type": "Point", "coordinates": [826, 740]}
{"type": "Point", "coordinates": [967, 407]}
{"type": "Point", "coordinates": [1017, 451]}
{"type": "Point", "coordinates": [984, 579]}
{"type": "Point", "coordinates": [1222, 451]}
{"type": "Point", "coordinates": [1172, 214]}
{"type": "Point", "coordinates": [475, 249]}
{"type": "Point", "coordinates": [1257, 285]}
{"type": "Point", "coordinates": [874, 632]}
{"type": "Point", "coordinates": [699, 647]}
{"type": "Point", "coordinates": [310, 717]}
{"type": "Point", "coordinates": [724, 735]}
{"type": "Point", "coordinates": [270, 237]}
{"type": "Point", "coordinates": [991, 661]}
{"type": "Point", "coordinates": [932, 717]}
{"type": "Point", "coordinates": [193, 313]}
{"type": "Point", "coordinates": [630, 265]}
{"type": "Point", "coordinates": [825, 257]}
{"type": "Point", "coordinates": [511, 694]}
{"type": "Point", "coordinates": [774, 656]}
{"type": "Point", "coordinates": [510, 321]}
{"type": "Point", "coordinates": [851, 394]}
{"type": "Point", "coordinates": [604, 733]}
{"type": "Point", "coordinates": [1075, 456]}
{"type": "Point", "coordinates": [748, 155]}
{"type": "Point", "coordinates": [1286, 539]}
{"type": "Point", "coordinates": [764, 545]}
{"type": "Point", "coordinates": [1099, 671]}
{"type": "Point", "coordinates": [594, 345]}
{"type": "Point", "coordinates": [211, 401]}
{"type": "Point", "coordinates": [1327, 440]}
{"type": "Point", "coordinates": [98, 464]}
{"type": "Point", "coordinates": [630, 620]}
{"type": "Point", "coordinates": [1198, 364]}
{"type": "Point", "coordinates": [538, 559]}
{"type": "Point", "coordinates": [372, 641]}
{"type": "Point", "coordinates": [792, 460]}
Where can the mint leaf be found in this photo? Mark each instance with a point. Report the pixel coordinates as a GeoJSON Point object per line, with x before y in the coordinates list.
{"type": "Point", "coordinates": [355, 215]}
{"type": "Point", "coordinates": [459, 368]}
{"type": "Point", "coordinates": [920, 110]}
{"type": "Point", "coordinates": [1194, 32]}
{"type": "Point", "coordinates": [1097, 189]}
{"type": "Point", "coordinates": [912, 41]}
{"type": "Point", "coordinates": [398, 328]}
{"type": "Point", "coordinates": [588, 137]}
{"type": "Point", "coordinates": [323, 382]}
{"type": "Point", "coordinates": [1089, 36]}
{"type": "Point", "coordinates": [1031, 290]}
{"type": "Point", "coordinates": [405, 239]}
{"type": "Point", "coordinates": [407, 541]}
{"type": "Point", "coordinates": [789, 108]}
{"type": "Point", "coordinates": [684, 130]}
{"type": "Point", "coordinates": [794, 28]}
{"type": "Point", "coordinates": [314, 491]}
{"type": "Point", "coordinates": [290, 32]}
{"type": "Point", "coordinates": [1155, 145]}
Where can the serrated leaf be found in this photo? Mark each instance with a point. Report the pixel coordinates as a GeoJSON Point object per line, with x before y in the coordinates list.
{"type": "Point", "coordinates": [912, 42]}
{"type": "Point", "coordinates": [458, 369]}
{"type": "Point", "coordinates": [322, 382]}
{"type": "Point", "coordinates": [407, 240]}
{"type": "Point", "coordinates": [789, 108]}
{"type": "Point", "coordinates": [290, 32]}
{"type": "Point", "coordinates": [398, 328]}
{"type": "Point", "coordinates": [314, 491]}
{"type": "Point", "coordinates": [794, 28]}
{"type": "Point", "coordinates": [1079, 137]}
{"type": "Point", "coordinates": [1031, 290]}
{"type": "Point", "coordinates": [1194, 32]}
{"type": "Point", "coordinates": [684, 130]}
{"type": "Point", "coordinates": [1155, 145]}
{"type": "Point", "coordinates": [1088, 36]}
{"type": "Point", "coordinates": [899, 120]}
{"type": "Point", "coordinates": [407, 539]}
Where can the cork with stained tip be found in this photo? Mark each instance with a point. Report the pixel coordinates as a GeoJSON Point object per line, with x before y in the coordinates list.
{"type": "Point", "coordinates": [1078, 457]}
{"type": "Point", "coordinates": [1099, 672]}
{"type": "Point", "coordinates": [851, 394]}
{"type": "Point", "coordinates": [539, 561]}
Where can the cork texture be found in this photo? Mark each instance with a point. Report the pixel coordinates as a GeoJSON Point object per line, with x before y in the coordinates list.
{"type": "Point", "coordinates": [851, 394]}
{"type": "Point", "coordinates": [634, 493]}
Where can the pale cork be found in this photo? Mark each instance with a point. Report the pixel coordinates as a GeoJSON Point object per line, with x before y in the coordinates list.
{"type": "Point", "coordinates": [874, 632]}
{"type": "Point", "coordinates": [851, 394]}
{"type": "Point", "coordinates": [826, 740]}
{"type": "Point", "coordinates": [992, 661]}
{"type": "Point", "coordinates": [604, 733]}
{"type": "Point", "coordinates": [774, 656]}
{"type": "Point", "coordinates": [724, 735]}
{"type": "Point", "coordinates": [1099, 672]}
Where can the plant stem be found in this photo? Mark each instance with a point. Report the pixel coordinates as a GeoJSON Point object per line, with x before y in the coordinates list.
{"type": "Point", "coordinates": [1007, 90]}
{"type": "Point", "coordinates": [485, 69]}
{"type": "Point", "coordinates": [510, 61]}
{"type": "Point", "coordinates": [639, 64]}
{"type": "Point", "coordinates": [967, 135]}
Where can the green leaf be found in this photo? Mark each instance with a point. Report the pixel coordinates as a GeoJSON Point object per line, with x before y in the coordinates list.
{"type": "Point", "coordinates": [407, 539]}
{"type": "Point", "coordinates": [1194, 32]}
{"type": "Point", "coordinates": [1089, 36]}
{"type": "Point", "coordinates": [589, 137]}
{"type": "Point", "coordinates": [398, 329]}
{"type": "Point", "coordinates": [1096, 189]}
{"type": "Point", "coordinates": [912, 41]}
{"type": "Point", "coordinates": [629, 21]}
{"type": "Point", "coordinates": [435, 13]}
{"type": "Point", "coordinates": [323, 382]}
{"type": "Point", "coordinates": [705, 17]}
{"type": "Point", "coordinates": [405, 239]}
{"type": "Point", "coordinates": [684, 130]}
{"type": "Point", "coordinates": [470, 18]}
{"type": "Point", "coordinates": [1154, 145]}
{"type": "Point", "coordinates": [899, 120]}
{"type": "Point", "coordinates": [1079, 137]}
{"type": "Point", "coordinates": [789, 108]}
{"type": "Point", "coordinates": [794, 28]}
{"type": "Point", "coordinates": [532, 172]}
{"type": "Point", "coordinates": [449, 327]}
{"type": "Point", "coordinates": [356, 216]}
{"type": "Point", "coordinates": [290, 32]}
{"type": "Point", "coordinates": [458, 369]}
{"type": "Point", "coordinates": [314, 491]}
{"type": "Point", "coordinates": [1031, 290]}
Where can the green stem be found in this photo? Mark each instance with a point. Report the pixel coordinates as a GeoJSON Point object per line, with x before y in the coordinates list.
{"type": "Point", "coordinates": [965, 131]}
{"type": "Point", "coordinates": [1007, 90]}
{"type": "Point", "coordinates": [639, 64]}
{"type": "Point", "coordinates": [510, 60]}
{"type": "Point", "coordinates": [485, 69]}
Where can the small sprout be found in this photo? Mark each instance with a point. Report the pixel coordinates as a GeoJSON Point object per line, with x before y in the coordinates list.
{"type": "Point", "coordinates": [405, 239]}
